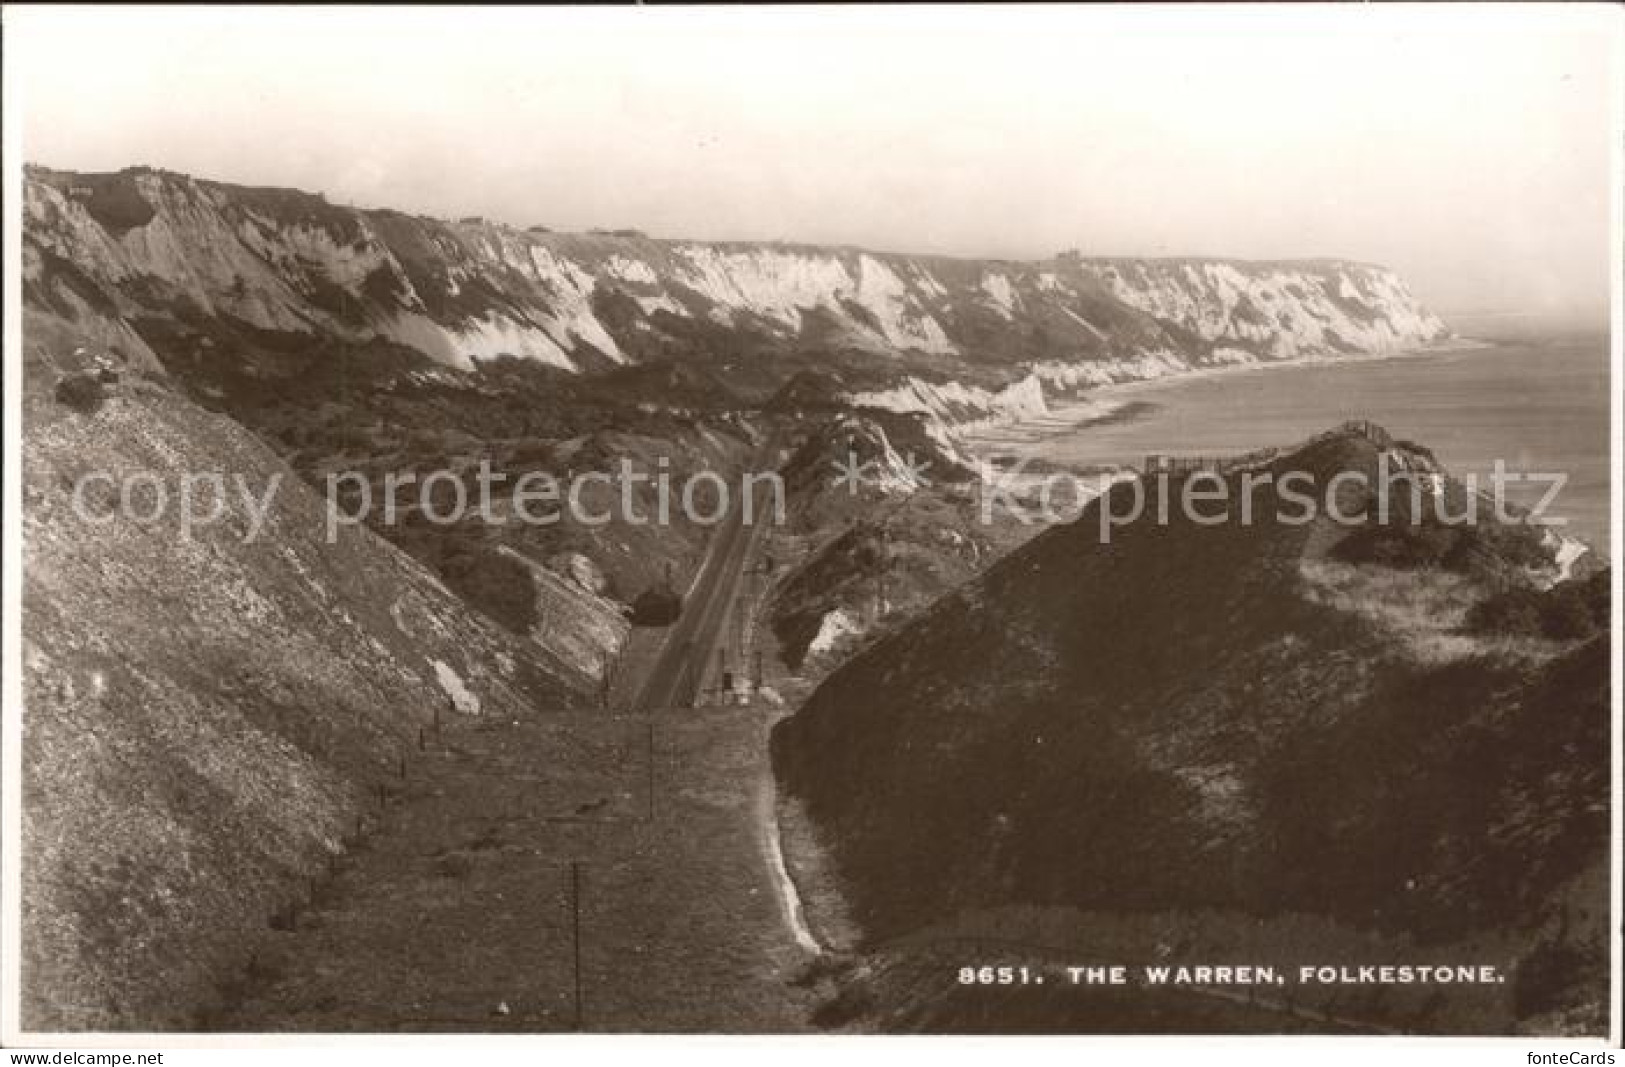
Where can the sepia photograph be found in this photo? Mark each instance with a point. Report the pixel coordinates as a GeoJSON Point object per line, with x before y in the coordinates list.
{"type": "Point", "coordinates": [1094, 523]}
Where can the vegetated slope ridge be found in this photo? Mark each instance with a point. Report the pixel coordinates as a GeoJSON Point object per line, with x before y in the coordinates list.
{"type": "Point", "coordinates": [1258, 717]}
{"type": "Point", "coordinates": [207, 717]}
{"type": "Point", "coordinates": [873, 547]}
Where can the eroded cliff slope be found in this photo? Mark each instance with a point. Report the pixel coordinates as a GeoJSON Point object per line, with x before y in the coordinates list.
{"type": "Point", "coordinates": [141, 243]}
{"type": "Point", "coordinates": [208, 714]}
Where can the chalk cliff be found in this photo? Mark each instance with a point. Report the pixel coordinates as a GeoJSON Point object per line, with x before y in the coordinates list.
{"type": "Point", "coordinates": [141, 244]}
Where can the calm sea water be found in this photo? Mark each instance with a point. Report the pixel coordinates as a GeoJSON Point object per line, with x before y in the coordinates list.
{"type": "Point", "coordinates": [1539, 406]}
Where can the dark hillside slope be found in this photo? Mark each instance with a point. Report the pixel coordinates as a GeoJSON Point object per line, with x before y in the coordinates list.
{"type": "Point", "coordinates": [1197, 717]}
{"type": "Point", "coordinates": [207, 718]}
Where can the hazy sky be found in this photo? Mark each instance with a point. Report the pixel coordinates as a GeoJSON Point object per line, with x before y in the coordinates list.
{"type": "Point", "coordinates": [1467, 147]}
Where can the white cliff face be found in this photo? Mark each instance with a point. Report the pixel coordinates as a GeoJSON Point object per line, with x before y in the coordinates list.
{"type": "Point", "coordinates": [960, 406]}
{"type": "Point", "coordinates": [946, 411]}
{"type": "Point", "coordinates": [149, 242]}
{"type": "Point", "coordinates": [561, 321]}
{"type": "Point", "coordinates": [1566, 552]}
{"type": "Point", "coordinates": [783, 286]}
{"type": "Point", "coordinates": [890, 471]}
{"type": "Point", "coordinates": [461, 346]}
{"type": "Point", "coordinates": [1000, 294]}
{"type": "Point", "coordinates": [773, 285]}
{"type": "Point", "coordinates": [1138, 368]}
{"type": "Point", "coordinates": [187, 245]}
{"type": "Point", "coordinates": [896, 309]}
{"type": "Point", "coordinates": [1285, 311]}
{"type": "Point", "coordinates": [834, 627]}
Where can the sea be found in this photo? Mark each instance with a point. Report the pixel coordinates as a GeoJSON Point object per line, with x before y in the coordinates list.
{"type": "Point", "coordinates": [1539, 403]}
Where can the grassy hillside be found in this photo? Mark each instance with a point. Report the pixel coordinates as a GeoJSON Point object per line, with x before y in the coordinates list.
{"type": "Point", "coordinates": [210, 719]}
{"type": "Point", "coordinates": [1228, 717]}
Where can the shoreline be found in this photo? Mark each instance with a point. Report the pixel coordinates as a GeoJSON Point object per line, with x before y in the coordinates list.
{"type": "Point", "coordinates": [1224, 370]}
{"type": "Point", "coordinates": [1114, 403]}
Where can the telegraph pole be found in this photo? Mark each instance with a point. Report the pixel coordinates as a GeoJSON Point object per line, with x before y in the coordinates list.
{"type": "Point", "coordinates": [880, 576]}
{"type": "Point", "coordinates": [575, 939]}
